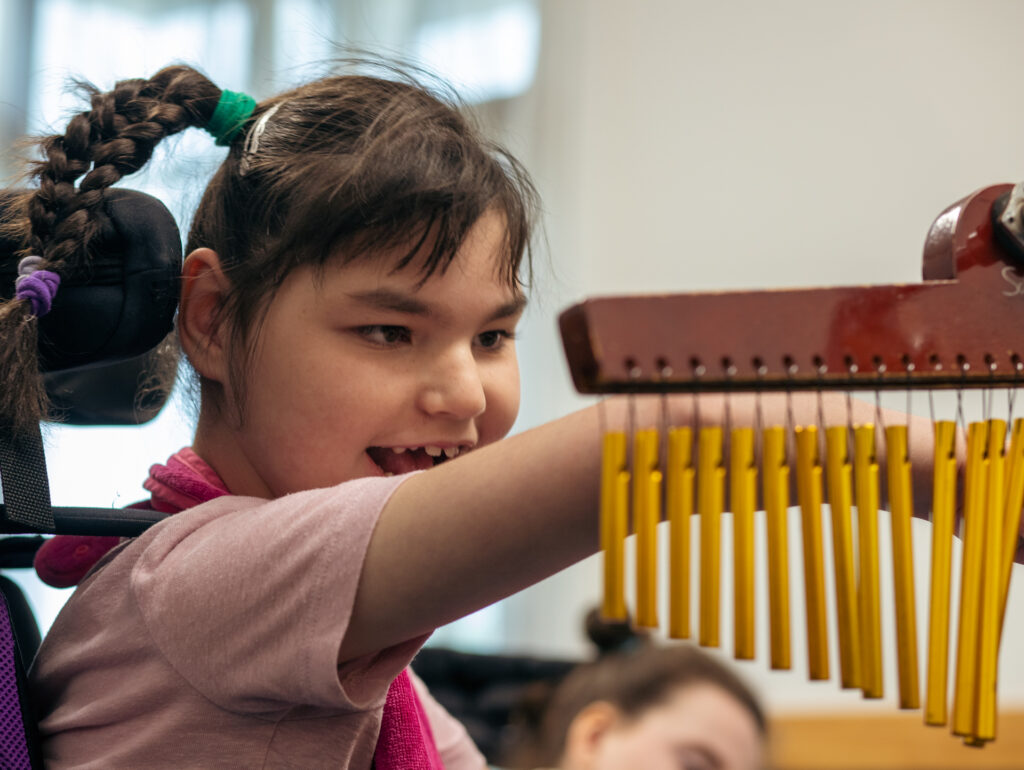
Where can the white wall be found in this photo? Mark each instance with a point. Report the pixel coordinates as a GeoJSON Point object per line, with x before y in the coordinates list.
{"type": "Point", "coordinates": [685, 145]}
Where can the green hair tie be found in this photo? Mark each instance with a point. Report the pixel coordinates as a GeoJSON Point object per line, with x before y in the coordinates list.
{"type": "Point", "coordinates": [233, 110]}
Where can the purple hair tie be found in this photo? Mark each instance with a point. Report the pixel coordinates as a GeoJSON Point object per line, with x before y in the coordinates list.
{"type": "Point", "coordinates": [37, 286]}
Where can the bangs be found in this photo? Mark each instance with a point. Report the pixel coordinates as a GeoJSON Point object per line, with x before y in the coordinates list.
{"type": "Point", "coordinates": [421, 213]}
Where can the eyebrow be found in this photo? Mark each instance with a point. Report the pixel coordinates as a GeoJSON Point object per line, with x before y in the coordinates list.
{"type": "Point", "coordinates": [388, 299]}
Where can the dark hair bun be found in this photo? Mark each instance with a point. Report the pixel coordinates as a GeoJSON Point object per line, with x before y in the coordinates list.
{"type": "Point", "coordinates": [613, 636]}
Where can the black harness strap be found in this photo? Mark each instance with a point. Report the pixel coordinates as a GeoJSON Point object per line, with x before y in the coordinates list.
{"type": "Point", "coordinates": [23, 478]}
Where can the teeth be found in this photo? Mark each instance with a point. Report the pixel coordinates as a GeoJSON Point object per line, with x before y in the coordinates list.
{"type": "Point", "coordinates": [432, 451]}
{"type": "Point", "coordinates": [388, 473]}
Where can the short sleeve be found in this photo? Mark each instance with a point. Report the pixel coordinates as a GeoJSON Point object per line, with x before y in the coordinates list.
{"type": "Point", "coordinates": [249, 600]}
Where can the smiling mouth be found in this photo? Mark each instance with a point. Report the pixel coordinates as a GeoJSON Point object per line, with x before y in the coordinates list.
{"type": "Point", "coordinates": [398, 460]}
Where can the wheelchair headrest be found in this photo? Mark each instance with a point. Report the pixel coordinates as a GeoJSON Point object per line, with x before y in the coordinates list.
{"type": "Point", "coordinates": [122, 303]}
{"type": "Point", "coordinates": [95, 343]}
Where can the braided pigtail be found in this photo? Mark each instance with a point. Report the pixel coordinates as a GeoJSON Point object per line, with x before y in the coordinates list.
{"type": "Point", "coordinates": [22, 394]}
{"type": "Point", "coordinates": [58, 220]}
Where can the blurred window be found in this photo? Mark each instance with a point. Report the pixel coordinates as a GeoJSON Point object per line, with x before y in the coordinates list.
{"type": "Point", "coordinates": [486, 54]}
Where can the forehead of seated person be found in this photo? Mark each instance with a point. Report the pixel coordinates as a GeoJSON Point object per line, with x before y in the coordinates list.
{"type": "Point", "coordinates": [698, 727]}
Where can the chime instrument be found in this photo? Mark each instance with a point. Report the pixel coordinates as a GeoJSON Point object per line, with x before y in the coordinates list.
{"type": "Point", "coordinates": [961, 327]}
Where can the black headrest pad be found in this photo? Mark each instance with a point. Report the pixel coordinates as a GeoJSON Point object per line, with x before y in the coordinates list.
{"type": "Point", "coordinates": [122, 303]}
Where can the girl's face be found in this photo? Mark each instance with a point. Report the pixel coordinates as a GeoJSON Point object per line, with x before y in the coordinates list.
{"type": "Point", "coordinates": [365, 373]}
{"type": "Point", "coordinates": [700, 728]}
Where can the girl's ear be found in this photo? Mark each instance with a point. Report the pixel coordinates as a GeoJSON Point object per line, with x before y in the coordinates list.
{"type": "Point", "coordinates": [203, 337]}
{"type": "Point", "coordinates": [586, 732]}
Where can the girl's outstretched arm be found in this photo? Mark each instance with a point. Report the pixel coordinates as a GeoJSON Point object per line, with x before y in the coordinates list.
{"type": "Point", "coordinates": [474, 530]}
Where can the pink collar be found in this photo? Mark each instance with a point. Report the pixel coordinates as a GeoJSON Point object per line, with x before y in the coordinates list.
{"type": "Point", "coordinates": [185, 481]}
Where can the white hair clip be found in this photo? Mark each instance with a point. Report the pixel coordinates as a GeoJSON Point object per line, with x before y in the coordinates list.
{"type": "Point", "coordinates": [252, 139]}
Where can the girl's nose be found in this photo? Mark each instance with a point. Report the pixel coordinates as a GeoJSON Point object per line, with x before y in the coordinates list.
{"type": "Point", "coordinates": [455, 388]}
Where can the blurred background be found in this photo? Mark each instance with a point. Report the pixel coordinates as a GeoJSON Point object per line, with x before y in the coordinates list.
{"type": "Point", "coordinates": [678, 145]}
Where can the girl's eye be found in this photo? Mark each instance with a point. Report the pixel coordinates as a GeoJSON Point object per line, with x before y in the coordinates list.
{"type": "Point", "coordinates": [696, 759]}
{"type": "Point", "coordinates": [385, 335]}
{"type": "Point", "coordinates": [494, 339]}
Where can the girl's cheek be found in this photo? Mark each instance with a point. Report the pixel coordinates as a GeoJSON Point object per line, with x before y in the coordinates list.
{"type": "Point", "coordinates": [510, 411]}
{"type": "Point", "coordinates": [502, 394]}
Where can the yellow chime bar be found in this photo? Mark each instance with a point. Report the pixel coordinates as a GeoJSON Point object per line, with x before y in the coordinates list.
{"type": "Point", "coordinates": [679, 504]}
{"type": "Point", "coordinates": [775, 480]}
{"type": "Point", "coordinates": [869, 610]}
{"type": "Point", "coordinates": [839, 472]}
{"type": "Point", "coordinates": [1014, 506]}
{"type": "Point", "coordinates": [943, 513]}
{"type": "Point", "coordinates": [992, 573]}
{"type": "Point", "coordinates": [901, 509]}
{"type": "Point", "coordinates": [646, 515]}
{"type": "Point", "coordinates": [965, 682]}
{"type": "Point", "coordinates": [993, 494]}
{"type": "Point", "coordinates": [808, 480]}
{"type": "Point", "coordinates": [614, 523]}
{"type": "Point", "coordinates": [742, 503]}
{"type": "Point", "coordinates": [710, 502]}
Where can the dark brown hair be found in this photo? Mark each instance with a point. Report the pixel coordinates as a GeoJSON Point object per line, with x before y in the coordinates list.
{"type": "Point", "coordinates": [346, 166]}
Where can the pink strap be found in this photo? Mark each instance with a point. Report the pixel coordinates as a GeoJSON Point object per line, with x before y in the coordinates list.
{"type": "Point", "coordinates": [186, 480]}
{"type": "Point", "coordinates": [405, 740]}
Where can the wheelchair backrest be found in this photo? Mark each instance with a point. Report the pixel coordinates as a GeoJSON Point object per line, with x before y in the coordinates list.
{"type": "Point", "coordinates": [95, 347]}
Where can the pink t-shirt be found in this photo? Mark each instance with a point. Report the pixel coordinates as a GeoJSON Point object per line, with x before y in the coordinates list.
{"type": "Point", "coordinates": [212, 641]}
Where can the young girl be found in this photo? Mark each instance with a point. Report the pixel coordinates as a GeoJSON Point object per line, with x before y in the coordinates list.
{"type": "Point", "coordinates": [349, 303]}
